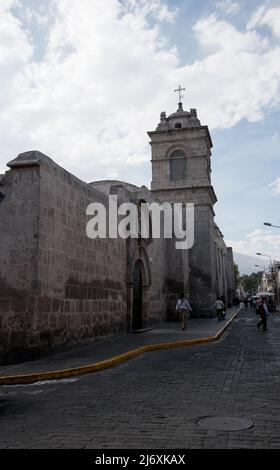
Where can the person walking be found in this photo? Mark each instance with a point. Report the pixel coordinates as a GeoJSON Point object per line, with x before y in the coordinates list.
{"type": "Point", "coordinates": [219, 305]}
{"type": "Point", "coordinates": [223, 299]}
{"type": "Point", "coordinates": [262, 311]}
{"type": "Point", "coordinates": [184, 308]}
{"type": "Point", "coordinates": [251, 303]}
{"type": "Point", "coordinates": [236, 302]}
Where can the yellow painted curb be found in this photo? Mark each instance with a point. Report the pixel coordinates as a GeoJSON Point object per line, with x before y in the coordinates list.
{"type": "Point", "coordinates": [107, 363]}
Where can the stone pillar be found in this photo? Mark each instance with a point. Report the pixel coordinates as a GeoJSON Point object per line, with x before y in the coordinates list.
{"type": "Point", "coordinates": [19, 215]}
{"type": "Point", "coordinates": [202, 264]}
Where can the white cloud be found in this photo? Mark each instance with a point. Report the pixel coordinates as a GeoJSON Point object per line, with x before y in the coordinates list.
{"type": "Point", "coordinates": [14, 48]}
{"type": "Point", "coordinates": [275, 185]}
{"type": "Point", "coordinates": [259, 241]}
{"type": "Point", "coordinates": [269, 18]}
{"type": "Point", "coordinates": [227, 6]}
{"type": "Point", "coordinates": [155, 8]}
{"type": "Point", "coordinates": [239, 80]}
{"type": "Point", "coordinates": [108, 72]}
{"type": "Point", "coordinates": [15, 54]}
{"type": "Point", "coordinates": [7, 4]}
{"type": "Point", "coordinates": [90, 100]}
{"type": "Point", "coordinates": [256, 17]}
{"type": "Point", "coordinates": [275, 138]}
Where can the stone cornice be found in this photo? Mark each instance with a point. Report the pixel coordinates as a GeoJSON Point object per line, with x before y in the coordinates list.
{"type": "Point", "coordinates": [31, 158]}
{"type": "Point", "coordinates": [187, 157]}
{"type": "Point", "coordinates": [177, 132]}
{"type": "Point", "coordinates": [208, 188]}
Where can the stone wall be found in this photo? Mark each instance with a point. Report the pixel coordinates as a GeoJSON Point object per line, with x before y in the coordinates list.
{"type": "Point", "coordinates": [59, 288]}
{"type": "Point", "coordinates": [230, 277]}
{"type": "Point", "coordinates": [202, 263]}
{"type": "Point", "coordinates": [153, 254]}
{"type": "Point", "coordinates": [19, 231]}
{"type": "Point", "coordinates": [198, 277]}
{"type": "Point", "coordinates": [177, 280]}
{"type": "Point", "coordinates": [224, 269]}
{"type": "Point", "coordinates": [83, 287]}
{"type": "Point", "coordinates": [221, 264]}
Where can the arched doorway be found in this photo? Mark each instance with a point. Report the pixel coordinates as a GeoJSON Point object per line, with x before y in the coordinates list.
{"type": "Point", "coordinates": [137, 297]}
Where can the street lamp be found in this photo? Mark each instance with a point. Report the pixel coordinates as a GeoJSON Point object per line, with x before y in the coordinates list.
{"type": "Point", "coordinates": [267, 256]}
{"type": "Point", "coordinates": [270, 225]}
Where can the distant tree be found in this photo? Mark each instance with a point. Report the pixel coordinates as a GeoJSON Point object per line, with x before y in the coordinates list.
{"type": "Point", "coordinates": [250, 282]}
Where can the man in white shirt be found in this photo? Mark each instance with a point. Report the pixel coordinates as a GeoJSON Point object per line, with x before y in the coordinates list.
{"type": "Point", "coordinates": [220, 306]}
{"type": "Point", "coordinates": [184, 307]}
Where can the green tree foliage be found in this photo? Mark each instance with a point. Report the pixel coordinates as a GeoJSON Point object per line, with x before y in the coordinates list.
{"type": "Point", "coordinates": [250, 282]}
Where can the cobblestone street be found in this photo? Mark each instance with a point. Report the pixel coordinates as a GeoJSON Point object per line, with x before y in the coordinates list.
{"type": "Point", "coordinates": [156, 400]}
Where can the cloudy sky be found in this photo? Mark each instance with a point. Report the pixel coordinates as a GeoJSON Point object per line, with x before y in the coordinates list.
{"type": "Point", "coordinates": [82, 81]}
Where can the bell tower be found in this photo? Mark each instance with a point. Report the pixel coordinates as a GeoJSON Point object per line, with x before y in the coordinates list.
{"type": "Point", "coordinates": [181, 172]}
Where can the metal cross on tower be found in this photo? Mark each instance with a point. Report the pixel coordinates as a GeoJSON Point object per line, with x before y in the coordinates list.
{"type": "Point", "coordinates": [179, 89]}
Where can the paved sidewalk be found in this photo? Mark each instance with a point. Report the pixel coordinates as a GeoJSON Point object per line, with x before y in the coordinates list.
{"type": "Point", "coordinates": [168, 332]}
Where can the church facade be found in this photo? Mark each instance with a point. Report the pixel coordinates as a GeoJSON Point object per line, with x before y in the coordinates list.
{"type": "Point", "coordinates": [60, 289]}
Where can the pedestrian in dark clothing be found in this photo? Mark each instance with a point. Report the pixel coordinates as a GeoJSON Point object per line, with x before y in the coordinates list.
{"type": "Point", "coordinates": [262, 311]}
{"type": "Point", "coordinates": [236, 302]}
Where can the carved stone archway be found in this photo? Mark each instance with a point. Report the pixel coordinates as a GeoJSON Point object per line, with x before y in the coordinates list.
{"type": "Point", "coordinates": [139, 283]}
